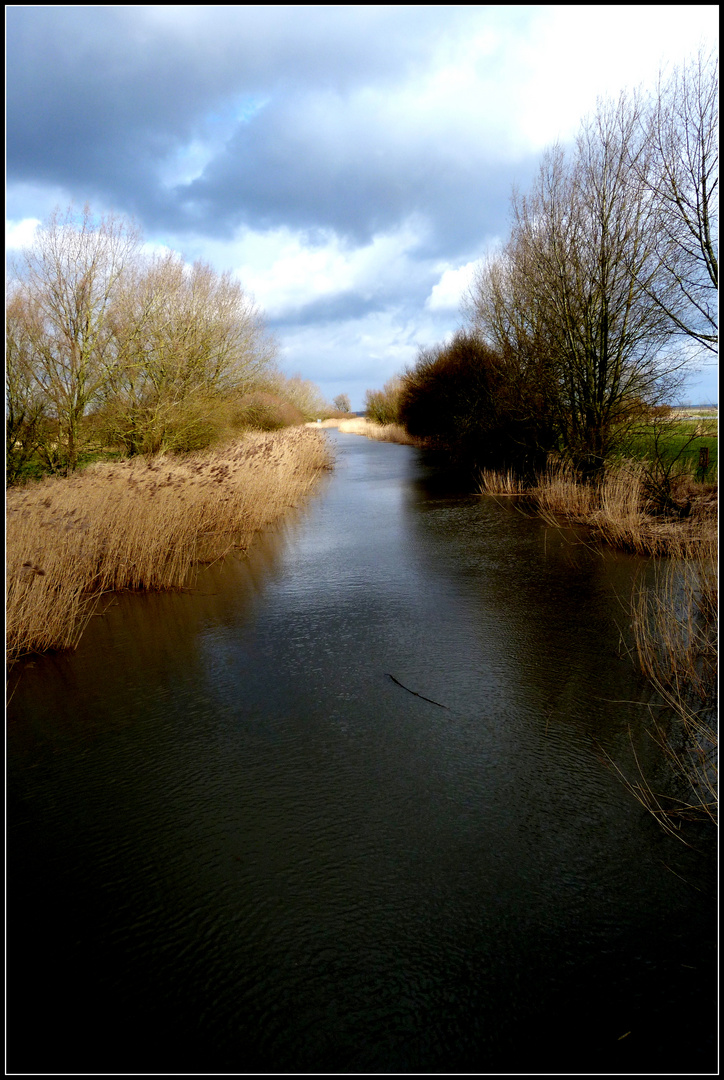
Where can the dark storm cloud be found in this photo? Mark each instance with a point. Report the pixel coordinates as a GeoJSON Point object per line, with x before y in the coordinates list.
{"type": "Point", "coordinates": [101, 99]}
{"type": "Point", "coordinates": [319, 160]}
{"type": "Point", "coordinates": [342, 306]}
{"type": "Point", "coordinates": [349, 164]}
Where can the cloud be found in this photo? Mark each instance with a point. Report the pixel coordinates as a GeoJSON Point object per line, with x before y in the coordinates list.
{"type": "Point", "coordinates": [203, 120]}
{"type": "Point", "coordinates": [448, 293]}
{"type": "Point", "coordinates": [287, 270]}
{"type": "Point", "coordinates": [20, 234]}
{"type": "Point", "coordinates": [348, 162]}
{"type": "Point", "coordinates": [344, 118]}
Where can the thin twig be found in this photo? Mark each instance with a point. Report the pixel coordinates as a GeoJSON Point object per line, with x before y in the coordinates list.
{"type": "Point", "coordinates": [415, 692]}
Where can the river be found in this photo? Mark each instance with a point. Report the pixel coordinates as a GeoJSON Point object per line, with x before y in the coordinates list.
{"type": "Point", "coordinates": [348, 806]}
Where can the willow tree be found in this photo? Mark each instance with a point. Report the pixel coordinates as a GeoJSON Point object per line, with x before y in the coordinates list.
{"type": "Point", "coordinates": [681, 128]}
{"type": "Point", "coordinates": [187, 344]}
{"type": "Point", "coordinates": [574, 291]}
{"type": "Point", "coordinates": [69, 279]}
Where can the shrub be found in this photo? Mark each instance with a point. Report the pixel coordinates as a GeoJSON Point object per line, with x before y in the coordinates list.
{"type": "Point", "coordinates": [263, 411]}
{"type": "Point", "coordinates": [470, 402]}
{"type": "Point", "coordinates": [382, 406]}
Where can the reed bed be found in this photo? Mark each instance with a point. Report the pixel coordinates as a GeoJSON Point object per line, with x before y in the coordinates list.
{"type": "Point", "coordinates": [494, 482]}
{"type": "Point", "coordinates": [359, 425]}
{"type": "Point", "coordinates": [144, 523]}
{"type": "Point", "coordinates": [618, 509]}
{"type": "Point", "coordinates": [675, 623]}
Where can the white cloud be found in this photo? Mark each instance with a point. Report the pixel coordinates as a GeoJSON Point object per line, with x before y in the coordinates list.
{"type": "Point", "coordinates": [448, 293]}
{"type": "Point", "coordinates": [286, 272]}
{"type": "Point", "coordinates": [20, 234]}
{"type": "Point", "coordinates": [559, 76]}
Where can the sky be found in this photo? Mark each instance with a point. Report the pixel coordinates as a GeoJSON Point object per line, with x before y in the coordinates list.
{"type": "Point", "coordinates": [349, 164]}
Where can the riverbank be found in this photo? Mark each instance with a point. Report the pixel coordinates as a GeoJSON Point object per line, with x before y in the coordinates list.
{"type": "Point", "coordinates": [626, 510]}
{"type": "Point", "coordinates": [359, 425]}
{"type": "Point", "coordinates": [144, 523]}
{"type": "Point", "coordinates": [674, 619]}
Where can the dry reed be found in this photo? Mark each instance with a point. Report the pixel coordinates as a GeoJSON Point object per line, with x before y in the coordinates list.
{"type": "Point", "coordinates": [493, 482]}
{"type": "Point", "coordinates": [675, 628]}
{"type": "Point", "coordinates": [674, 621]}
{"type": "Point", "coordinates": [617, 508]}
{"type": "Point", "coordinates": [359, 425]}
{"type": "Point", "coordinates": [141, 524]}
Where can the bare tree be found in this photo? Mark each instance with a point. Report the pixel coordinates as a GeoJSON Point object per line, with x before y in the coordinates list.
{"type": "Point", "coordinates": [155, 350]}
{"type": "Point", "coordinates": [25, 404]}
{"type": "Point", "coordinates": [382, 405]}
{"type": "Point", "coordinates": [302, 393]}
{"type": "Point", "coordinates": [341, 403]}
{"type": "Point", "coordinates": [187, 342]}
{"type": "Point", "coordinates": [574, 290]}
{"type": "Point", "coordinates": [681, 127]}
{"type": "Point", "coordinates": [70, 278]}
{"type": "Point", "coordinates": [503, 311]}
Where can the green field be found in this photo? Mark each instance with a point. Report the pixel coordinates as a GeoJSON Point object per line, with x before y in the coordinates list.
{"type": "Point", "coordinates": [684, 441]}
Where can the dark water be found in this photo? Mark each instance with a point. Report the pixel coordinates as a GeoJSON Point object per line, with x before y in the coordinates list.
{"type": "Point", "coordinates": [235, 844]}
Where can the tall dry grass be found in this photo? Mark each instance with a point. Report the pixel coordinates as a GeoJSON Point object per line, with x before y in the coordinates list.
{"type": "Point", "coordinates": [359, 425]}
{"type": "Point", "coordinates": [675, 620]}
{"type": "Point", "coordinates": [494, 482]}
{"type": "Point", "coordinates": [618, 509]}
{"type": "Point", "coordinates": [142, 524]}
{"type": "Point", "coordinates": [675, 623]}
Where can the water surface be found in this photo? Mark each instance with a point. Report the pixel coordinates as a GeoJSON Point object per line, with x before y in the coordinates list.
{"type": "Point", "coordinates": [235, 844]}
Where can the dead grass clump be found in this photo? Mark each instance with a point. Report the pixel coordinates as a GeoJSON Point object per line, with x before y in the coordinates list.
{"type": "Point", "coordinates": [675, 624]}
{"type": "Point", "coordinates": [393, 433]}
{"type": "Point", "coordinates": [142, 524]}
{"type": "Point", "coordinates": [624, 517]}
{"type": "Point", "coordinates": [560, 493]}
{"type": "Point", "coordinates": [620, 509]}
{"type": "Point", "coordinates": [501, 483]}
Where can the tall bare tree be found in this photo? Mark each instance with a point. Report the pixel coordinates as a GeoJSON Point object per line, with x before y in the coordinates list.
{"type": "Point", "coordinates": [681, 128]}
{"type": "Point", "coordinates": [186, 342]}
{"type": "Point", "coordinates": [574, 288]}
{"type": "Point", "coordinates": [25, 403]}
{"type": "Point", "coordinates": [70, 278]}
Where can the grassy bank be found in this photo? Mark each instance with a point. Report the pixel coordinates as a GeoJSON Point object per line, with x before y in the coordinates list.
{"type": "Point", "coordinates": [359, 425]}
{"type": "Point", "coordinates": [144, 523]}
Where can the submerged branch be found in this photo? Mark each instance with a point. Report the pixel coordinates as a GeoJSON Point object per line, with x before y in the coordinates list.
{"type": "Point", "coordinates": [415, 692]}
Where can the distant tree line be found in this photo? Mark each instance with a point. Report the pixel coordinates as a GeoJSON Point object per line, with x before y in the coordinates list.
{"type": "Point", "coordinates": [106, 346]}
{"type": "Point", "coordinates": [591, 312]}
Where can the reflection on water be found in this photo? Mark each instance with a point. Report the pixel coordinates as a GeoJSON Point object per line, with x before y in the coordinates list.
{"type": "Point", "coordinates": [236, 844]}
